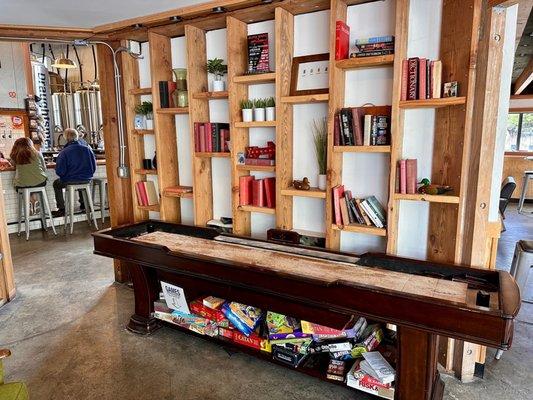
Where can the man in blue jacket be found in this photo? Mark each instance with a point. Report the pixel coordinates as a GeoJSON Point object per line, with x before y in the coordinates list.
{"type": "Point", "coordinates": [75, 164]}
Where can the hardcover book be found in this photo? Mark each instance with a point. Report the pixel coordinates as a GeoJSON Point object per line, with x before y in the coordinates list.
{"type": "Point", "coordinates": [245, 190]}
{"type": "Point", "coordinates": [412, 79]}
{"type": "Point", "coordinates": [338, 193]}
{"type": "Point", "coordinates": [258, 193]}
{"type": "Point", "coordinates": [411, 175]}
{"type": "Point", "coordinates": [422, 76]}
{"type": "Point", "coordinates": [342, 40]}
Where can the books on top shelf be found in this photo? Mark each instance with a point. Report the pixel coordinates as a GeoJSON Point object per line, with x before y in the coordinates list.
{"type": "Point", "coordinates": [211, 137]}
{"type": "Point", "coordinates": [406, 176]}
{"type": "Point", "coordinates": [372, 46]}
{"type": "Point", "coordinates": [166, 88]}
{"type": "Point", "coordinates": [362, 126]}
{"type": "Point", "coordinates": [421, 79]}
{"type": "Point", "coordinates": [146, 193]}
{"type": "Point", "coordinates": [365, 211]}
{"type": "Point", "coordinates": [257, 192]}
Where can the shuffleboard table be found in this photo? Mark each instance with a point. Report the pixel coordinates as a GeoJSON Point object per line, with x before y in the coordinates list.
{"type": "Point", "coordinates": [422, 299]}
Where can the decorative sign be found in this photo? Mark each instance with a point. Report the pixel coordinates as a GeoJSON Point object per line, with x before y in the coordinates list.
{"type": "Point", "coordinates": [258, 56]}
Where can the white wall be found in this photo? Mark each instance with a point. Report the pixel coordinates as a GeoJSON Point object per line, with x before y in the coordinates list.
{"type": "Point", "coordinates": [12, 79]}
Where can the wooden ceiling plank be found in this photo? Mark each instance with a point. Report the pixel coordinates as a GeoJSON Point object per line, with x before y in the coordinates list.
{"type": "Point", "coordinates": [525, 78]}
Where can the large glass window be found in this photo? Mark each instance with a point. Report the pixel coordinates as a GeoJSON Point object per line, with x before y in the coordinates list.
{"type": "Point", "coordinates": [519, 132]}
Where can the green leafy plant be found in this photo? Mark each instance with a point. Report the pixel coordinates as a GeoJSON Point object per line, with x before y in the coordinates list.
{"type": "Point", "coordinates": [145, 108]}
{"type": "Point", "coordinates": [217, 67]}
{"type": "Point", "coordinates": [259, 103]}
{"type": "Point", "coordinates": [320, 139]}
{"type": "Point", "coordinates": [247, 104]}
{"type": "Point", "coordinates": [270, 102]}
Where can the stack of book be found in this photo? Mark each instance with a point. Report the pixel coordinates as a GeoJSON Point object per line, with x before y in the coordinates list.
{"type": "Point", "coordinates": [365, 211]}
{"type": "Point", "coordinates": [406, 173]}
{"type": "Point", "coordinates": [146, 193]}
{"type": "Point", "coordinates": [211, 137]}
{"type": "Point", "coordinates": [373, 47]}
{"type": "Point", "coordinates": [257, 192]}
{"type": "Point", "coordinates": [421, 79]}
{"type": "Point", "coordinates": [166, 88]}
{"type": "Point", "coordinates": [362, 126]}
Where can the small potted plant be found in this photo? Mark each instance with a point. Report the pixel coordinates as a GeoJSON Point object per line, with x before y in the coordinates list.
{"type": "Point", "coordinates": [218, 69]}
{"type": "Point", "coordinates": [320, 140]}
{"type": "Point", "coordinates": [247, 110]}
{"type": "Point", "coordinates": [270, 107]}
{"type": "Point", "coordinates": [146, 110]}
{"type": "Point", "coordinates": [259, 110]}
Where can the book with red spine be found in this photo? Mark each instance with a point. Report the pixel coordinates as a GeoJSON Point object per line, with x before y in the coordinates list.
{"type": "Point", "coordinates": [245, 190]}
{"type": "Point", "coordinates": [270, 192]}
{"type": "Point", "coordinates": [208, 138]}
{"type": "Point", "coordinates": [405, 79]}
{"type": "Point", "coordinates": [201, 135]}
{"type": "Point", "coordinates": [412, 79]}
{"type": "Point", "coordinates": [403, 177]}
{"type": "Point", "coordinates": [358, 114]}
{"type": "Point", "coordinates": [411, 175]}
{"type": "Point", "coordinates": [336, 131]}
{"type": "Point", "coordinates": [338, 194]}
{"type": "Point", "coordinates": [342, 40]}
{"type": "Point", "coordinates": [258, 193]}
{"type": "Point", "coordinates": [142, 191]}
{"type": "Point", "coordinates": [196, 136]}
{"type": "Point", "coordinates": [422, 78]}
{"type": "Point", "coordinates": [151, 193]}
{"type": "Point", "coordinates": [139, 195]}
{"type": "Point", "coordinates": [171, 88]}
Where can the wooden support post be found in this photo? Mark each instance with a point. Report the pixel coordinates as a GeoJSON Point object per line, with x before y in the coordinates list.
{"type": "Point", "coordinates": [28, 71]}
{"type": "Point", "coordinates": [119, 189]}
{"type": "Point", "coordinates": [7, 280]}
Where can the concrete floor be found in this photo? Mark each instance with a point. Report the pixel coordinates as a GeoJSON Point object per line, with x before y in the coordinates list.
{"type": "Point", "coordinates": [66, 332]}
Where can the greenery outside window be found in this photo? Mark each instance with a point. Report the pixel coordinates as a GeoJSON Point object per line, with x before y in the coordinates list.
{"type": "Point", "coordinates": [519, 137]}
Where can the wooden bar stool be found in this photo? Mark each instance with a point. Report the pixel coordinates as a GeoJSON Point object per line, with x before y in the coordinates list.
{"type": "Point", "coordinates": [102, 192]}
{"type": "Point", "coordinates": [527, 176]}
{"type": "Point", "coordinates": [85, 189]}
{"type": "Point", "coordinates": [24, 195]}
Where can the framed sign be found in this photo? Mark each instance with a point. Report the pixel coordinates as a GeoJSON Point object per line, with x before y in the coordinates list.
{"type": "Point", "coordinates": [310, 74]}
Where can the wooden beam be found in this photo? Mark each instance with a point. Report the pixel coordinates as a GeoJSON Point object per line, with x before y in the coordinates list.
{"type": "Point", "coordinates": [28, 71]}
{"type": "Point", "coordinates": [525, 78]}
{"type": "Point", "coordinates": [524, 9]}
{"type": "Point", "coordinates": [49, 32]}
{"type": "Point", "coordinates": [7, 280]}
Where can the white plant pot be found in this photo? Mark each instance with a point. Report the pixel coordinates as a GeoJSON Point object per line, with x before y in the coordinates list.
{"type": "Point", "coordinates": [247, 115]}
{"type": "Point", "coordinates": [270, 113]}
{"type": "Point", "coordinates": [259, 114]}
{"type": "Point", "coordinates": [322, 182]}
{"type": "Point", "coordinates": [219, 86]}
{"type": "Point", "coordinates": [149, 123]}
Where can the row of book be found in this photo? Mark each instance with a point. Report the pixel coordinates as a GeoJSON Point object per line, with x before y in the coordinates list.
{"type": "Point", "coordinates": [166, 88]}
{"type": "Point", "coordinates": [359, 354]}
{"type": "Point", "coordinates": [363, 47]}
{"type": "Point", "coordinates": [257, 192]}
{"type": "Point", "coordinates": [146, 193]}
{"type": "Point", "coordinates": [211, 137]}
{"type": "Point", "coordinates": [362, 126]}
{"type": "Point", "coordinates": [421, 79]}
{"type": "Point", "coordinates": [406, 173]}
{"type": "Point", "coordinates": [364, 211]}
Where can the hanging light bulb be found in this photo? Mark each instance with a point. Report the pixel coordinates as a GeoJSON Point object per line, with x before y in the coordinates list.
{"type": "Point", "coordinates": [63, 62]}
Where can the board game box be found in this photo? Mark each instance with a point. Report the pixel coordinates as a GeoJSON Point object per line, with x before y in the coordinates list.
{"type": "Point", "coordinates": [359, 380]}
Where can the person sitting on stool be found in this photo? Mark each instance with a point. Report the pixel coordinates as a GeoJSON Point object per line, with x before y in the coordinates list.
{"type": "Point", "coordinates": [75, 164]}
{"type": "Point", "coordinates": [30, 167]}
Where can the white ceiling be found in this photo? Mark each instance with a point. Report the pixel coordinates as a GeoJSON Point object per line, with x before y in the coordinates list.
{"type": "Point", "coordinates": [81, 13]}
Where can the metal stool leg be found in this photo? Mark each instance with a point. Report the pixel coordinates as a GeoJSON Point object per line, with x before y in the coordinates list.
{"type": "Point", "coordinates": [20, 204]}
{"type": "Point", "coordinates": [498, 354]}
{"type": "Point", "coordinates": [40, 196]}
{"type": "Point", "coordinates": [46, 207]}
{"type": "Point", "coordinates": [85, 197]}
{"type": "Point", "coordinates": [91, 207]}
{"type": "Point", "coordinates": [523, 194]}
{"type": "Point", "coordinates": [103, 193]}
{"type": "Point", "coordinates": [27, 212]}
{"type": "Point", "coordinates": [71, 201]}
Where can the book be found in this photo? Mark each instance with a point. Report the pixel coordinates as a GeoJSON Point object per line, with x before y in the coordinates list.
{"type": "Point", "coordinates": [344, 211]}
{"type": "Point", "coordinates": [405, 80]}
{"type": "Point", "coordinates": [258, 53]}
{"type": "Point", "coordinates": [171, 87]}
{"type": "Point", "coordinates": [410, 175]}
{"type": "Point", "coordinates": [367, 131]}
{"type": "Point", "coordinates": [342, 40]}
{"type": "Point", "coordinates": [142, 197]}
{"type": "Point", "coordinates": [376, 206]}
{"type": "Point", "coordinates": [378, 367]}
{"type": "Point", "coordinates": [358, 218]}
{"type": "Point", "coordinates": [347, 199]}
{"type": "Point", "coordinates": [259, 161]}
{"type": "Point", "coordinates": [375, 39]}
{"type": "Point", "coordinates": [151, 194]}
{"type": "Point", "coordinates": [358, 379]}
{"type": "Point", "coordinates": [320, 331]}
{"type": "Point", "coordinates": [403, 176]}
{"type": "Point", "coordinates": [336, 131]}
{"type": "Point", "coordinates": [245, 190]}
{"type": "Point", "coordinates": [346, 126]}
{"type": "Point", "coordinates": [422, 76]}
{"type": "Point", "coordinates": [201, 133]}
{"type": "Point", "coordinates": [338, 192]}
{"type": "Point", "coordinates": [412, 79]}
{"type": "Point", "coordinates": [363, 212]}
{"type": "Point", "coordinates": [258, 193]}
{"type": "Point", "coordinates": [371, 214]}
{"type": "Point", "coordinates": [270, 192]}
{"type": "Point", "coordinates": [358, 114]}
{"type": "Point", "coordinates": [163, 94]}
{"type": "Point", "coordinates": [380, 130]}
{"type": "Point", "coordinates": [175, 297]}
{"type": "Point", "coordinates": [436, 79]}
{"type": "Point", "coordinates": [374, 53]}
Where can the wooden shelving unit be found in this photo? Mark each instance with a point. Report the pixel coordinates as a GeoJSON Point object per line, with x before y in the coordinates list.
{"type": "Point", "coordinates": [143, 132]}
{"type": "Point", "coordinates": [306, 98]}
{"type": "Point", "coordinates": [358, 228]}
{"type": "Point", "coordinates": [255, 124]}
{"type": "Point", "coordinates": [433, 103]}
{"type": "Point", "coordinates": [264, 210]}
{"type": "Point", "coordinates": [254, 79]}
{"type": "Point", "coordinates": [155, 208]}
{"type": "Point", "coordinates": [142, 171]}
{"type": "Point", "coordinates": [212, 154]}
{"type": "Point", "coordinates": [140, 91]}
{"type": "Point", "coordinates": [443, 198]}
{"type": "Point", "coordinates": [210, 95]}
{"type": "Point", "coordinates": [258, 168]}
{"type": "Point", "coordinates": [362, 149]}
{"type": "Point", "coordinates": [365, 62]}
{"type": "Point", "coordinates": [313, 192]}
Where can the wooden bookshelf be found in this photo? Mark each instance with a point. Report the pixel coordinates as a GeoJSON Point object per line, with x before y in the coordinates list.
{"type": "Point", "coordinates": [264, 210]}
{"type": "Point", "coordinates": [366, 62]}
{"type": "Point", "coordinates": [255, 124]}
{"type": "Point", "coordinates": [313, 192]}
{"type": "Point", "coordinates": [359, 228]}
{"type": "Point", "coordinates": [142, 171]}
{"type": "Point", "coordinates": [306, 98]}
{"type": "Point", "coordinates": [155, 208]}
{"type": "Point", "coordinates": [143, 132]}
{"type": "Point", "coordinates": [441, 198]}
{"type": "Point", "coordinates": [140, 91]}
{"type": "Point", "coordinates": [433, 103]}
{"type": "Point", "coordinates": [213, 154]}
{"type": "Point", "coordinates": [210, 95]}
{"type": "Point", "coordinates": [258, 168]}
{"type": "Point", "coordinates": [173, 110]}
{"type": "Point", "coordinates": [362, 149]}
{"type": "Point", "coordinates": [253, 79]}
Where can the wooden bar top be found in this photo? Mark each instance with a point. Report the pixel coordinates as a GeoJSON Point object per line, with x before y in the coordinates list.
{"type": "Point", "coordinates": [51, 165]}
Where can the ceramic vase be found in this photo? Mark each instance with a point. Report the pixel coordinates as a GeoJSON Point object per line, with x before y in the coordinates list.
{"type": "Point", "coordinates": [219, 85]}
{"type": "Point", "coordinates": [322, 181]}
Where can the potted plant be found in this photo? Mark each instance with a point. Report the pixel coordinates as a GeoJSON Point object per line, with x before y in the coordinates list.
{"type": "Point", "coordinates": [146, 110]}
{"type": "Point", "coordinates": [270, 107]}
{"type": "Point", "coordinates": [320, 140]}
{"type": "Point", "coordinates": [247, 110]}
{"type": "Point", "coordinates": [218, 69]}
{"type": "Point", "coordinates": [259, 110]}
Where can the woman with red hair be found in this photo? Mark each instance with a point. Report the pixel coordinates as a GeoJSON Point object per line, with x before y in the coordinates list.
{"type": "Point", "coordinates": [29, 163]}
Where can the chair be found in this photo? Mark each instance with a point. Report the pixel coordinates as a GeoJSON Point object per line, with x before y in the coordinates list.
{"type": "Point", "coordinates": [24, 195]}
{"type": "Point", "coordinates": [102, 191]}
{"type": "Point", "coordinates": [85, 189]}
{"type": "Point", "coordinates": [507, 190]}
{"type": "Point", "coordinates": [13, 390]}
{"type": "Point", "coordinates": [527, 176]}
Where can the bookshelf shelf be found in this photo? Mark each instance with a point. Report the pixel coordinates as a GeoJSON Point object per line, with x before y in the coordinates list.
{"type": "Point", "coordinates": [256, 124]}
{"type": "Point", "coordinates": [258, 168]}
{"type": "Point", "coordinates": [358, 228]}
{"type": "Point", "coordinates": [433, 103]}
{"type": "Point", "coordinates": [313, 193]}
{"type": "Point", "coordinates": [176, 110]}
{"type": "Point", "coordinates": [143, 131]}
{"type": "Point", "coordinates": [306, 98]}
{"type": "Point", "coordinates": [171, 192]}
{"type": "Point", "coordinates": [210, 95]}
{"type": "Point", "coordinates": [362, 149]}
{"type": "Point", "coordinates": [366, 62]}
{"type": "Point", "coordinates": [255, 78]}
{"type": "Point", "coordinates": [140, 91]}
{"type": "Point", "coordinates": [212, 154]}
{"type": "Point", "coordinates": [142, 171]}
{"type": "Point", "coordinates": [264, 210]}
{"type": "Point", "coordinates": [441, 198]}
{"type": "Point", "coordinates": [154, 207]}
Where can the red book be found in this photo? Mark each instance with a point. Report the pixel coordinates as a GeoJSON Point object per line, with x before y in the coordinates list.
{"type": "Point", "coordinates": [197, 136]}
{"type": "Point", "coordinates": [138, 192]}
{"type": "Point", "coordinates": [258, 191]}
{"type": "Point", "coordinates": [171, 88]}
{"type": "Point", "coordinates": [338, 194]}
{"type": "Point", "coordinates": [336, 131]}
{"type": "Point", "coordinates": [208, 138]}
{"type": "Point", "coordinates": [403, 177]}
{"type": "Point", "coordinates": [405, 79]}
{"type": "Point", "coordinates": [412, 79]}
{"type": "Point", "coordinates": [358, 115]}
{"type": "Point", "coordinates": [144, 195]}
{"type": "Point", "coordinates": [270, 192]}
{"type": "Point", "coordinates": [411, 174]}
{"type": "Point", "coordinates": [342, 40]}
{"type": "Point", "coordinates": [422, 78]}
{"type": "Point", "coordinates": [201, 134]}
{"type": "Point", "coordinates": [245, 190]}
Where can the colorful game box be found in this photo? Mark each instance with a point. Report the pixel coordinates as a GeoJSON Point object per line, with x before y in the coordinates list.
{"type": "Point", "coordinates": [200, 325]}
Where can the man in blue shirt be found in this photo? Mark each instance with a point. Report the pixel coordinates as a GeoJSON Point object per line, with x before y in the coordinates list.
{"type": "Point", "coordinates": [75, 164]}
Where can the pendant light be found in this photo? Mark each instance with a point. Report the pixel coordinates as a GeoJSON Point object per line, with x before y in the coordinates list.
{"type": "Point", "coordinates": [64, 62]}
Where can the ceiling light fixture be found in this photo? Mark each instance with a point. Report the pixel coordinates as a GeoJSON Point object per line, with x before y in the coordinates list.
{"type": "Point", "coordinates": [176, 18]}
{"type": "Point", "coordinates": [137, 26]}
{"type": "Point", "coordinates": [63, 62]}
{"type": "Point", "coordinates": [219, 10]}
{"type": "Point", "coordinates": [266, 1]}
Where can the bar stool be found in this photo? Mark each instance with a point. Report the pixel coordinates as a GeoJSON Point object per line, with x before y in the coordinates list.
{"type": "Point", "coordinates": [102, 191]}
{"type": "Point", "coordinates": [527, 176]}
{"type": "Point", "coordinates": [85, 189]}
{"type": "Point", "coordinates": [23, 195]}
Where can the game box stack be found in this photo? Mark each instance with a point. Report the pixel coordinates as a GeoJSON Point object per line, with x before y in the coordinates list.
{"type": "Point", "coordinates": [211, 137]}
{"type": "Point", "coordinates": [257, 192]}
{"type": "Point", "coordinates": [362, 126]}
{"type": "Point", "coordinates": [422, 79]}
{"type": "Point", "coordinates": [406, 176]}
{"type": "Point", "coordinates": [364, 211]}
{"type": "Point", "coordinates": [373, 47]}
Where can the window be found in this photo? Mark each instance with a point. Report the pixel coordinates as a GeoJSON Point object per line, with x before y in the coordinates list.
{"type": "Point", "coordinates": [519, 132]}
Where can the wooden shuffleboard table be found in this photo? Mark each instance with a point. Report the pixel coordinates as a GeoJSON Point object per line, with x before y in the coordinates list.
{"type": "Point", "coordinates": [423, 299]}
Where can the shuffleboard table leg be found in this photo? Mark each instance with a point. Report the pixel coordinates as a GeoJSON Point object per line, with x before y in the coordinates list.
{"type": "Point", "coordinates": [417, 375]}
{"type": "Point", "coordinates": [146, 291]}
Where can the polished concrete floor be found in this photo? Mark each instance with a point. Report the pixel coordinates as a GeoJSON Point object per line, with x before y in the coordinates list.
{"type": "Point", "coordinates": [66, 332]}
